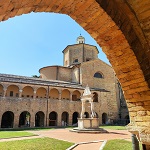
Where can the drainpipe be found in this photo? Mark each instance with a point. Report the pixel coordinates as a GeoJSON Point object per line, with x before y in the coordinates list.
{"type": "Point", "coordinates": [135, 142]}
{"type": "Point", "coordinates": [83, 52]}
{"type": "Point", "coordinates": [47, 106]}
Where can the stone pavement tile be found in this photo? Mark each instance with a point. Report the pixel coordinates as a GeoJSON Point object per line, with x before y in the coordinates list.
{"type": "Point", "coordinates": [66, 135]}
{"type": "Point", "coordinates": [88, 146]}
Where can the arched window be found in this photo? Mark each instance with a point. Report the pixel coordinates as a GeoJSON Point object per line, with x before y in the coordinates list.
{"type": "Point", "coordinates": [75, 60]}
{"type": "Point", "coordinates": [98, 75]}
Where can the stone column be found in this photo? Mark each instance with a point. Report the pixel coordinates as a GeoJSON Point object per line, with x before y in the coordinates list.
{"type": "Point", "coordinates": [32, 120]}
{"type": "Point", "coordinates": [60, 94]}
{"type": "Point", "coordinates": [5, 91]}
{"type": "Point", "coordinates": [20, 93]}
{"type": "Point", "coordinates": [16, 120]}
{"type": "Point", "coordinates": [70, 119]}
{"type": "Point", "coordinates": [59, 120]}
{"type": "Point", "coordinates": [71, 95]}
{"type": "Point", "coordinates": [34, 94]}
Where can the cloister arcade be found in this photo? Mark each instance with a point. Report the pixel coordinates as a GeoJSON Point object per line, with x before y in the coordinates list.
{"type": "Point", "coordinates": [27, 117]}
{"type": "Point", "coordinates": [7, 120]}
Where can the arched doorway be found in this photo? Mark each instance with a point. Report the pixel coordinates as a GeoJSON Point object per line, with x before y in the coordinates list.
{"type": "Point", "coordinates": [39, 119]}
{"type": "Point", "coordinates": [64, 118]}
{"type": "Point", "coordinates": [24, 119]}
{"type": "Point", "coordinates": [86, 115]}
{"type": "Point", "coordinates": [95, 97]}
{"type": "Point", "coordinates": [104, 118]}
{"type": "Point", "coordinates": [7, 120]}
{"type": "Point", "coordinates": [127, 119]}
{"type": "Point", "coordinates": [75, 118]}
{"type": "Point", "coordinates": [53, 119]}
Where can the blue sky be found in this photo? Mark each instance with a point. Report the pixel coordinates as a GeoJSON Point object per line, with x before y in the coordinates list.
{"type": "Point", "coordinates": [32, 41]}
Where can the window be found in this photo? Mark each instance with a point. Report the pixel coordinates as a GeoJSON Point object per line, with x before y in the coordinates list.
{"type": "Point", "coordinates": [11, 93]}
{"type": "Point", "coordinates": [98, 75]}
{"type": "Point", "coordinates": [88, 59]}
{"type": "Point", "coordinates": [75, 60]}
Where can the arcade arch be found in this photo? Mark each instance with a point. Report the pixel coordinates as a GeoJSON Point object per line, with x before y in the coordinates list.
{"type": "Point", "coordinates": [39, 119]}
{"type": "Point", "coordinates": [104, 118]}
{"type": "Point", "coordinates": [54, 94]}
{"type": "Point", "coordinates": [12, 91]}
{"type": "Point", "coordinates": [1, 91]}
{"type": "Point", "coordinates": [27, 91]}
{"type": "Point", "coordinates": [24, 119]}
{"type": "Point", "coordinates": [75, 118]}
{"type": "Point", "coordinates": [7, 120]}
{"type": "Point", "coordinates": [41, 93]}
{"type": "Point", "coordinates": [53, 118]}
{"type": "Point", "coordinates": [65, 94]}
{"type": "Point", "coordinates": [65, 118]}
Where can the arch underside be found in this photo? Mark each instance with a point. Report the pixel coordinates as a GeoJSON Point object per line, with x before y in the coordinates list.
{"type": "Point", "coordinates": [121, 28]}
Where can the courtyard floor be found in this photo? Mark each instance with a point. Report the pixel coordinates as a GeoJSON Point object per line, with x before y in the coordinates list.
{"type": "Point", "coordinates": [83, 140]}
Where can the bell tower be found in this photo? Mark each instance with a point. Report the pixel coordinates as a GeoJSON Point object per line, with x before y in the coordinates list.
{"type": "Point", "coordinates": [80, 40]}
{"type": "Point", "coordinates": [79, 52]}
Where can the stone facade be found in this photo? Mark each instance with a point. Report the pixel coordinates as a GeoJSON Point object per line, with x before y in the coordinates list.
{"type": "Point", "coordinates": [54, 98]}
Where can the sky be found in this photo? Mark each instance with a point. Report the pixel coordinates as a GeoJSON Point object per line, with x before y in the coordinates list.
{"type": "Point", "coordinates": [32, 41]}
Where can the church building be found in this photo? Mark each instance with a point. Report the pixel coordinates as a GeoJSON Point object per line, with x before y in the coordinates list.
{"type": "Point", "coordinates": [54, 98]}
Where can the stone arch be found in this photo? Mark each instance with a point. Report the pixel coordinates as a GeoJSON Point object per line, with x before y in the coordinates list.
{"type": "Point", "coordinates": [104, 118]}
{"type": "Point", "coordinates": [95, 97]}
{"type": "Point", "coordinates": [65, 118]}
{"type": "Point", "coordinates": [76, 95]}
{"type": "Point", "coordinates": [53, 118]}
{"type": "Point", "coordinates": [1, 90]}
{"type": "Point", "coordinates": [39, 119]}
{"type": "Point", "coordinates": [75, 116]}
{"type": "Point", "coordinates": [65, 94]}
{"type": "Point", "coordinates": [41, 92]}
{"type": "Point", "coordinates": [54, 94]}
{"type": "Point", "coordinates": [12, 91]}
{"type": "Point", "coordinates": [7, 120]}
{"type": "Point", "coordinates": [27, 91]}
{"type": "Point", "coordinates": [86, 115]}
{"type": "Point", "coordinates": [121, 28]}
{"type": "Point", "coordinates": [24, 119]}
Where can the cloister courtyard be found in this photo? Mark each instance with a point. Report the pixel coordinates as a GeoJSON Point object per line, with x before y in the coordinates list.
{"type": "Point", "coordinates": [77, 141]}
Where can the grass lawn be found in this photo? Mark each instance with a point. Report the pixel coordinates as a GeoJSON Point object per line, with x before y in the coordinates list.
{"type": "Point", "coordinates": [35, 144]}
{"type": "Point", "coordinates": [118, 145]}
{"type": "Point", "coordinates": [10, 134]}
{"type": "Point", "coordinates": [114, 127]}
